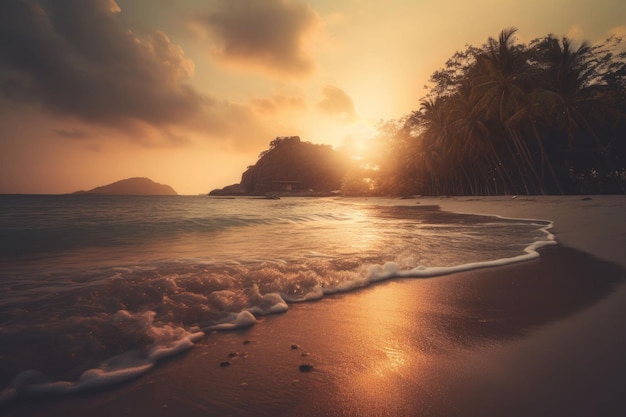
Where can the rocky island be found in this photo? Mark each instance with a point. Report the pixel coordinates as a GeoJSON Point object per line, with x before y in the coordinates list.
{"type": "Point", "coordinates": [291, 167]}
{"type": "Point", "coordinates": [132, 186]}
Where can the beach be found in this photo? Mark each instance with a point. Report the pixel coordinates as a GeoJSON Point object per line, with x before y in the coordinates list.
{"type": "Point", "coordinates": [537, 338]}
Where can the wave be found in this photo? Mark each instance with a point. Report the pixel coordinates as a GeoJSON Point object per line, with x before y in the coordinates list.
{"type": "Point", "coordinates": [169, 341]}
{"type": "Point", "coordinates": [94, 226]}
{"type": "Point", "coordinates": [114, 321]}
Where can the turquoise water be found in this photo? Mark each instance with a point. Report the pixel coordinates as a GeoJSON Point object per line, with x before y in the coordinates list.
{"type": "Point", "coordinates": [96, 289]}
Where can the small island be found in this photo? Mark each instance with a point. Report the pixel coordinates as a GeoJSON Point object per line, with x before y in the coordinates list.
{"type": "Point", "coordinates": [291, 167]}
{"type": "Point", "coordinates": [132, 186]}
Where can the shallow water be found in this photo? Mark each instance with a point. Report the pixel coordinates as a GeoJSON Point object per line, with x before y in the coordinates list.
{"type": "Point", "coordinates": [96, 289]}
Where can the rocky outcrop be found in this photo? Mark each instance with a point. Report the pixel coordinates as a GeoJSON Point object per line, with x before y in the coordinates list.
{"type": "Point", "coordinates": [230, 190]}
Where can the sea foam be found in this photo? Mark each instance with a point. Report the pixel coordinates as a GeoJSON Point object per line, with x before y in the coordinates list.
{"type": "Point", "coordinates": [120, 368]}
{"type": "Point", "coordinates": [164, 305]}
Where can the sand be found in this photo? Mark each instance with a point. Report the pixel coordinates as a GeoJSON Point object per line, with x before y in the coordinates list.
{"type": "Point", "coordinates": [540, 338]}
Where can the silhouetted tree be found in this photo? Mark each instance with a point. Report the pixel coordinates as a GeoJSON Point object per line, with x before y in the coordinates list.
{"type": "Point", "coordinates": [302, 165]}
{"type": "Point", "coordinates": [509, 118]}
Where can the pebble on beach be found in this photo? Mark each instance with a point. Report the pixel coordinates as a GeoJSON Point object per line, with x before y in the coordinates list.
{"type": "Point", "coordinates": [306, 367]}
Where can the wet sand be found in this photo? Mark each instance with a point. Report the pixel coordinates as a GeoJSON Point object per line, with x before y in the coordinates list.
{"type": "Point", "coordinates": [540, 338]}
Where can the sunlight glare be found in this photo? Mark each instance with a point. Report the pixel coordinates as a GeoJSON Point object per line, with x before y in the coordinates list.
{"type": "Point", "coordinates": [390, 358]}
{"type": "Point", "coordinates": [358, 140]}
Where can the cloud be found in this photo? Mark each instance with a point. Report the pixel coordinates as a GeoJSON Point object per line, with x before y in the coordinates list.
{"type": "Point", "coordinates": [575, 32]}
{"type": "Point", "coordinates": [268, 35]}
{"type": "Point", "coordinates": [337, 104]}
{"type": "Point", "coordinates": [76, 58]}
{"type": "Point", "coordinates": [71, 133]}
{"type": "Point", "coordinates": [278, 103]}
{"type": "Point", "coordinates": [228, 124]}
{"type": "Point", "coordinates": [618, 31]}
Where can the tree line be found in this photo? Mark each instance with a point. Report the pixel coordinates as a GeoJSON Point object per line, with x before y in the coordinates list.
{"type": "Point", "coordinates": [547, 117]}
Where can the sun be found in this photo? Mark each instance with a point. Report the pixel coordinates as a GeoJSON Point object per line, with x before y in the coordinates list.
{"type": "Point", "coordinates": [358, 139]}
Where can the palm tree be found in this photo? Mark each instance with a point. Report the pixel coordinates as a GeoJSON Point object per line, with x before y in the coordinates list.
{"type": "Point", "coordinates": [509, 118]}
{"type": "Point", "coordinates": [578, 100]}
{"type": "Point", "coordinates": [500, 85]}
{"type": "Point", "coordinates": [480, 161]}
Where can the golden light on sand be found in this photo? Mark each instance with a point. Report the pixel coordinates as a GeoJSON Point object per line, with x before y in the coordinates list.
{"type": "Point", "coordinates": [388, 358]}
{"type": "Point", "coordinates": [385, 314]}
{"type": "Point", "coordinates": [395, 359]}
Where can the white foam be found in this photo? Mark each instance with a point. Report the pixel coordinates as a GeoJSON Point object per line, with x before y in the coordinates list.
{"type": "Point", "coordinates": [169, 341]}
{"type": "Point", "coordinates": [33, 382]}
{"type": "Point", "coordinates": [271, 303]}
{"type": "Point", "coordinates": [172, 340]}
{"type": "Point", "coordinates": [97, 377]}
{"type": "Point", "coordinates": [235, 321]}
{"type": "Point", "coordinates": [390, 270]}
{"type": "Point", "coordinates": [316, 293]}
{"type": "Point", "coordinates": [160, 352]}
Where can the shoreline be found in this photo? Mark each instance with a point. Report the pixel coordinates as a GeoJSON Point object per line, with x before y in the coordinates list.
{"type": "Point", "coordinates": [537, 338]}
{"type": "Point", "coordinates": [592, 224]}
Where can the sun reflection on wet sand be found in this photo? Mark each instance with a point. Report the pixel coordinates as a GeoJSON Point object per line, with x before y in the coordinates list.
{"type": "Point", "coordinates": [395, 359]}
{"type": "Point", "coordinates": [389, 357]}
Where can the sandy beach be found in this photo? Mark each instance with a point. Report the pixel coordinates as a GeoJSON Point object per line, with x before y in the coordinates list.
{"type": "Point", "coordinates": [539, 338]}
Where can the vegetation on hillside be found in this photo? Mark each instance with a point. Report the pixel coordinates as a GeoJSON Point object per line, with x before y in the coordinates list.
{"type": "Point", "coordinates": [291, 165]}
{"type": "Point", "coordinates": [548, 117]}
{"type": "Point", "coordinates": [132, 186]}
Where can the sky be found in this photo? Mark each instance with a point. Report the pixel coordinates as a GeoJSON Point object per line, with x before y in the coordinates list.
{"type": "Point", "coordinates": [188, 93]}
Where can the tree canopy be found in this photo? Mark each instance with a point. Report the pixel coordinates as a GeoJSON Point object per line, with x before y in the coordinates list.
{"type": "Point", "coordinates": [546, 117]}
{"type": "Point", "coordinates": [291, 164]}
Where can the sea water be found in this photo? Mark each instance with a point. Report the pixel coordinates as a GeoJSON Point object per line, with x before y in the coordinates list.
{"type": "Point", "coordinates": [95, 290]}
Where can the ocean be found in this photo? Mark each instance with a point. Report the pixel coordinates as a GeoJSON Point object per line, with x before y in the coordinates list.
{"type": "Point", "coordinates": [96, 290]}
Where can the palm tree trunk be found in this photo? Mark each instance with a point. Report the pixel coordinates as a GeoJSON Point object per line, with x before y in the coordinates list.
{"type": "Point", "coordinates": [546, 159]}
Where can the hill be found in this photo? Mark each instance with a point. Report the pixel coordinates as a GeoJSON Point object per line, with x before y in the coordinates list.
{"type": "Point", "coordinates": [132, 186]}
{"type": "Point", "coordinates": [291, 166]}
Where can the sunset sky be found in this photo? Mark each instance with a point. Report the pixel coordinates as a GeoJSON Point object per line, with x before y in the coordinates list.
{"type": "Point", "coordinates": [189, 92]}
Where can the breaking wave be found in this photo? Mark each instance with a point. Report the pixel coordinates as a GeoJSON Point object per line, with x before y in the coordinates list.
{"type": "Point", "coordinates": [114, 309]}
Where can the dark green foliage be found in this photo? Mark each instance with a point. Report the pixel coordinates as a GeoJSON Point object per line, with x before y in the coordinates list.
{"type": "Point", "coordinates": [508, 118]}
{"type": "Point", "coordinates": [292, 165]}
